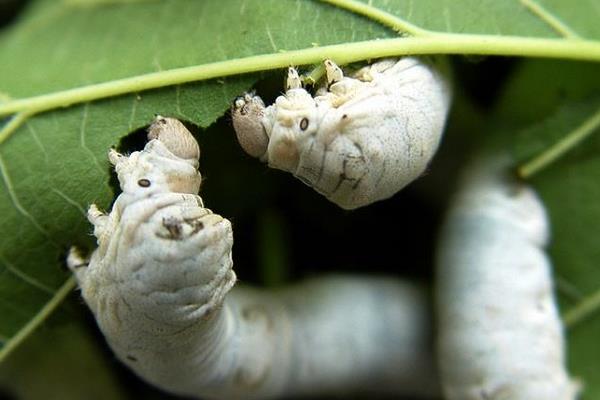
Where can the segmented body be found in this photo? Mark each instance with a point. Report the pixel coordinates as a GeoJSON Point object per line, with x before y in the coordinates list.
{"type": "Point", "coordinates": [500, 337]}
{"type": "Point", "coordinates": [159, 286]}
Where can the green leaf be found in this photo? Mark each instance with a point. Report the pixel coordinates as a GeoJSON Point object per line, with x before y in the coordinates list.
{"type": "Point", "coordinates": [539, 87]}
{"type": "Point", "coordinates": [487, 16]}
{"type": "Point", "coordinates": [77, 76]}
{"type": "Point", "coordinates": [74, 369]}
{"type": "Point", "coordinates": [54, 165]}
{"type": "Point", "coordinates": [568, 186]}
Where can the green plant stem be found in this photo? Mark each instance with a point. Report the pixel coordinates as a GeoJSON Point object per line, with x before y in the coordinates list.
{"type": "Point", "coordinates": [314, 75]}
{"type": "Point", "coordinates": [581, 311]}
{"type": "Point", "coordinates": [377, 15]}
{"type": "Point", "coordinates": [569, 141]}
{"type": "Point", "coordinates": [440, 43]}
{"type": "Point", "coordinates": [40, 317]}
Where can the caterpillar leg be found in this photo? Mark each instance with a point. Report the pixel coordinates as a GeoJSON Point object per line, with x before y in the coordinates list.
{"type": "Point", "coordinates": [340, 89]}
{"type": "Point", "coordinates": [99, 219]}
{"type": "Point", "coordinates": [114, 157]}
{"type": "Point", "coordinates": [247, 114]}
{"type": "Point", "coordinates": [334, 73]}
{"type": "Point", "coordinates": [77, 263]}
{"type": "Point", "coordinates": [293, 80]}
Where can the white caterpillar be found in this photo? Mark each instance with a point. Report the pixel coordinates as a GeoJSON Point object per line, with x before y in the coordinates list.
{"type": "Point", "coordinates": [360, 139]}
{"type": "Point", "coordinates": [158, 286]}
{"type": "Point", "coordinates": [500, 336]}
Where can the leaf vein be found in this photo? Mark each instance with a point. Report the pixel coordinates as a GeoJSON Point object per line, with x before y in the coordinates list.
{"type": "Point", "coordinates": [15, 200]}
{"type": "Point", "coordinates": [178, 99]}
{"type": "Point", "coordinates": [13, 125]}
{"type": "Point", "coordinates": [133, 111]}
{"type": "Point", "coordinates": [11, 305]}
{"type": "Point", "coordinates": [69, 200]}
{"type": "Point", "coordinates": [410, 11]}
{"type": "Point", "coordinates": [447, 17]}
{"type": "Point", "coordinates": [40, 317]}
{"type": "Point", "coordinates": [25, 277]}
{"type": "Point", "coordinates": [585, 309]}
{"type": "Point", "coordinates": [550, 19]}
{"type": "Point", "coordinates": [271, 40]}
{"type": "Point", "coordinates": [37, 140]}
{"type": "Point", "coordinates": [560, 148]}
{"type": "Point", "coordinates": [82, 141]}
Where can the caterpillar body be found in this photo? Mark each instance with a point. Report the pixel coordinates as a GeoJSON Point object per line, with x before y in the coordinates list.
{"type": "Point", "coordinates": [161, 287]}
{"type": "Point", "coordinates": [500, 337]}
{"type": "Point", "coordinates": [360, 139]}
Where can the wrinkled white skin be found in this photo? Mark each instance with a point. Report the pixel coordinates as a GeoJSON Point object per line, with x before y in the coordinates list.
{"type": "Point", "coordinates": [157, 285]}
{"type": "Point", "coordinates": [361, 139]}
{"type": "Point", "coordinates": [500, 333]}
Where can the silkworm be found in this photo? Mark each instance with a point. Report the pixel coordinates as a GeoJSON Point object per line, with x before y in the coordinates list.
{"type": "Point", "coordinates": [500, 335]}
{"type": "Point", "coordinates": [360, 139]}
{"type": "Point", "coordinates": [161, 287]}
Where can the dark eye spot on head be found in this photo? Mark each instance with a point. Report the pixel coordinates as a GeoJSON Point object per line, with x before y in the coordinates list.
{"type": "Point", "coordinates": [144, 183]}
{"type": "Point", "coordinates": [131, 358]}
{"type": "Point", "coordinates": [304, 124]}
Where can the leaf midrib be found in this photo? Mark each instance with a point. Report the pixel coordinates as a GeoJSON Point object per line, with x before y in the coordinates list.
{"type": "Point", "coordinates": [444, 43]}
{"type": "Point", "coordinates": [421, 42]}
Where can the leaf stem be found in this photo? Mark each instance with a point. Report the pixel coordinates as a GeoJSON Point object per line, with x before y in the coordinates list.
{"type": "Point", "coordinates": [40, 317]}
{"type": "Point", "coordinates": [581, 311]}
{"type": "Point", "coordinates": [438, 43]}
{"type": "Point", "coordinates": [314, 75]}
{"type": "Point", "coordinates": [397, 24]}
{"type": "Point", "coordinates": [561, 147]}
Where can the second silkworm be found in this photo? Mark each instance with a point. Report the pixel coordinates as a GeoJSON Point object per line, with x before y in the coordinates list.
{"type": "Point", "coordinates": [500, 335]}
{"type": "Point", "coordinates": [361, 139]}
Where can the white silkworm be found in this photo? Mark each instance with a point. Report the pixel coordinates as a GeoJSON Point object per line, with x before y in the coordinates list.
{"type": "Point", "coordinates": [500, 336]}
{"type": "Point", "coordinates": [157, 285]}
{"type": "Point", "coordinates": [360, 139]}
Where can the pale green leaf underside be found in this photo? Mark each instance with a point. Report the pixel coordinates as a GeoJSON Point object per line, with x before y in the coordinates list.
{"type": "Point", "coordinates": [53, 164]}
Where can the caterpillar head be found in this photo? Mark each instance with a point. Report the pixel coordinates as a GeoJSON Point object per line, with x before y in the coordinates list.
{"type": "Point", "coordinates": [168, 162]}
{"type": "Point", "coordinates": [294, 120]}
{"type": "Point", "coordinates": [247, 113]}
{"type": "Point", "coordinates": [176, 137]}
{"type": "Point", "coordinates": [278, 133]}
